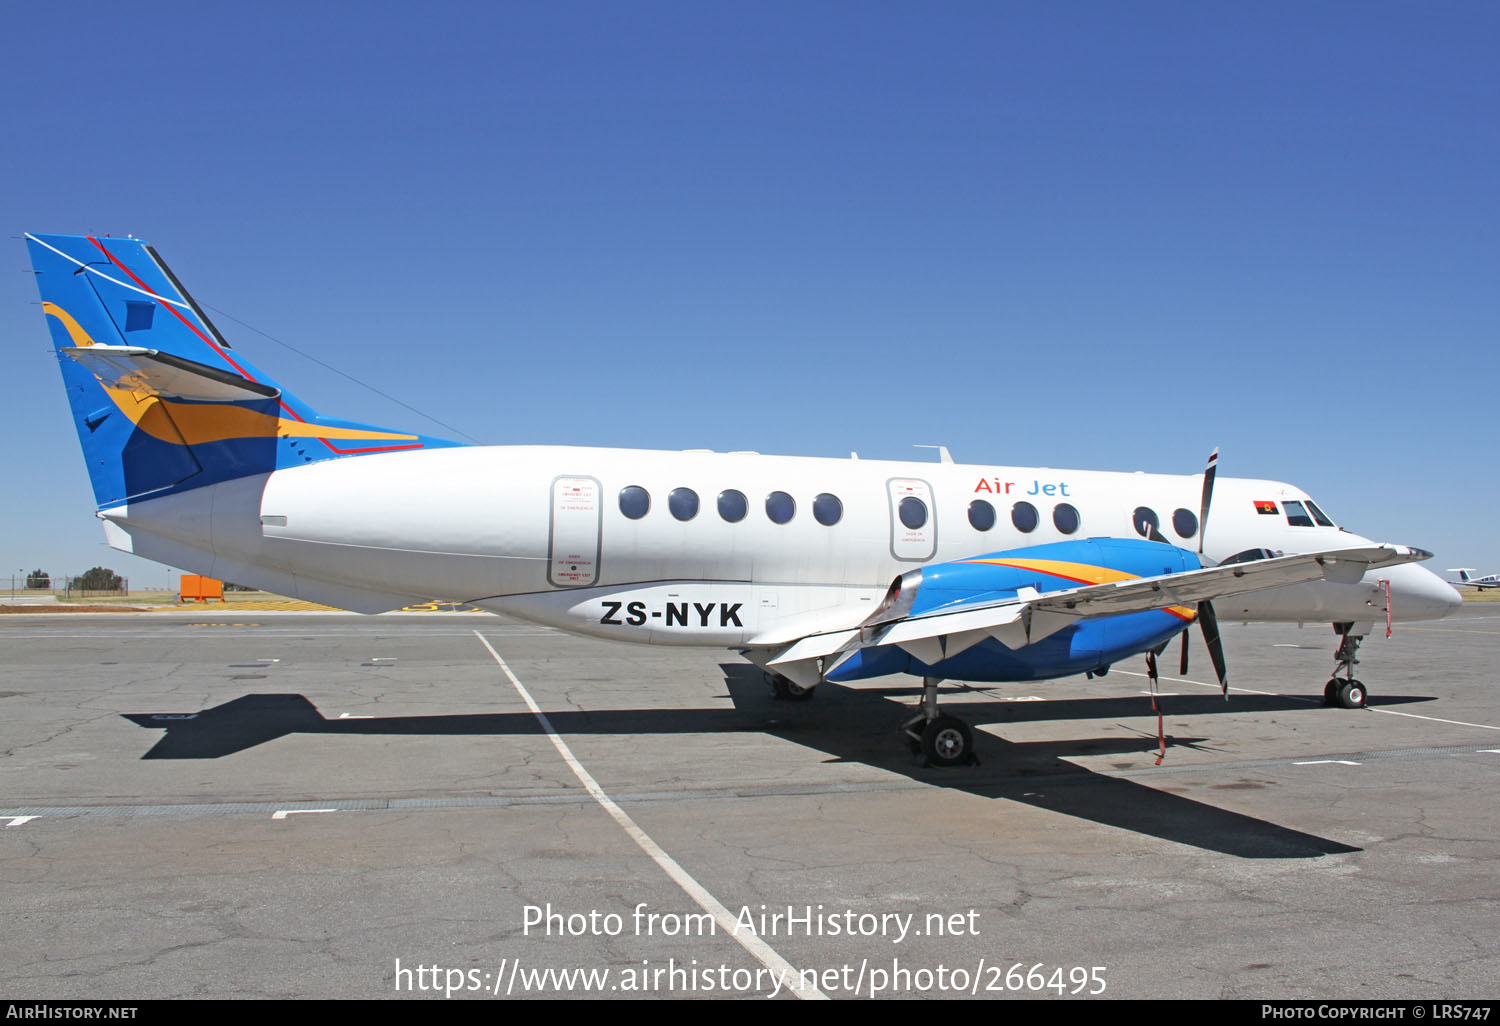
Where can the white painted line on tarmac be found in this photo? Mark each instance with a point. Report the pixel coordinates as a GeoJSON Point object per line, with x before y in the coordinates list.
{"type": "Point", "coordinates": [1317, 701]}
{"type": "Point", "coordinates": [790, 978]}
{"type": "Point", "coordinates": [1328, 762]}
{"type": "Point", "coordinates": [17, 820]}
{"type": "Point", "coordinates": [284, 813]}
{"type": "Point", "coordinates": [1243, 691]}
{"type": "Point", "coordinates": [1436, 719]}
{"type": "Point", "coordinates": [352, 716]}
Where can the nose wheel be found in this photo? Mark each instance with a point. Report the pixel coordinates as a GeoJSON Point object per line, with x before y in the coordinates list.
{"type": "Point", "coordinates": [1345, 692]}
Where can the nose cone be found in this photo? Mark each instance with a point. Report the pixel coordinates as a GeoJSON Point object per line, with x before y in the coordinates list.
{"type": "Point", "coordinates": [1419, 594]}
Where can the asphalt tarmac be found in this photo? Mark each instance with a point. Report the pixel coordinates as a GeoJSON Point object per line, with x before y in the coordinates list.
{"type": "Point", "coordinates": [292, 805]}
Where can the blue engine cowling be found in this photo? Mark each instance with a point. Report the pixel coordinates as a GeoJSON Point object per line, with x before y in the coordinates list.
{"type": "Point", "coordinates": [1089, 645]}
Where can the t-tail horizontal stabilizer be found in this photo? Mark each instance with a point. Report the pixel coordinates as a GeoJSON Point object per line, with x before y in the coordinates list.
{"type": "Point", "coordinates": [162, 403]}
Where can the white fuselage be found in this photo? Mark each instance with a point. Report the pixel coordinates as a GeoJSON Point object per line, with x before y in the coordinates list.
{"type": "Point", "coordinates": [539, 532]}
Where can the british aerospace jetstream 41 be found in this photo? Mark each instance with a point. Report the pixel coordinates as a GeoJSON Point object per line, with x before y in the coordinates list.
{"type": "Point", "coordinates": [815, 569]}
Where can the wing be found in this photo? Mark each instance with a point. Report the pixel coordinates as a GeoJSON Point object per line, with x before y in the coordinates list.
{"type": "Point", "coordinates": [1031, 616]}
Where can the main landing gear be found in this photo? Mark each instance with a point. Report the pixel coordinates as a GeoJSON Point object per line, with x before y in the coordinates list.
{"type": "Point", "coordinates": [1347, 692]}
{"type": "Point", "coordinates": [944, 740]}
{"type": "Point", "coordinates": [785, 689]}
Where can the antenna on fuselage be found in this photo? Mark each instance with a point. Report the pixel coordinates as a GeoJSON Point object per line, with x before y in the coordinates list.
{"type": "Point", "coordinates": [944, 456]}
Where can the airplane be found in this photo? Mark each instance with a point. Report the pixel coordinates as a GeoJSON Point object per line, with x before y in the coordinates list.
{"type": "Point", "coordinates": [1465, 581]}
{"type": "Point", "coordinates": [814, 569]}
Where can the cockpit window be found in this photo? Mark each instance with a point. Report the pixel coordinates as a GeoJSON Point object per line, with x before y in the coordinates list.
{"type": "Point", "coordinates": [1319, 515]}
{"type": "Point", "coordinates": [1295, 514]}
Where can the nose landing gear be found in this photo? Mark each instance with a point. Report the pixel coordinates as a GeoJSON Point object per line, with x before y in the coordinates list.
{"type": "Point", "coordinates": [1346, 692]}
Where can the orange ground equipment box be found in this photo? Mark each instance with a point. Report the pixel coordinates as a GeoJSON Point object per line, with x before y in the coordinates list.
{"type": "Point", "coordinates": [200, 588]}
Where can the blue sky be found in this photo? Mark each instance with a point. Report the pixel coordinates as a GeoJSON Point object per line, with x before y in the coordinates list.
{"type": "Point", "coordinates": [1092, 235]}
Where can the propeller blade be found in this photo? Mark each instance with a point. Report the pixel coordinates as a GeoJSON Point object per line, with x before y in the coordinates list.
{"type": "Point", "coordinates": [1182, 670]}
{"type": "Point", "coordinates": [1210, 625]}
{"type": "Point", "coordinates": [1208, 494]}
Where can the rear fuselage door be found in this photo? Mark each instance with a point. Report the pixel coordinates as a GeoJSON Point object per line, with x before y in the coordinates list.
{"type": "Point", "coordinates": [573, 535]}
{"type": "Point", "coordinates": [913, 519]}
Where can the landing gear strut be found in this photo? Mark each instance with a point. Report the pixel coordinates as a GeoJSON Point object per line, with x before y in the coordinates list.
{"type": "Point", "coordinates": [1346, 692]}
{"type": "Point", "coordinates": [786, 689]}
{"type": "Point", "coordinates": [944, 740]}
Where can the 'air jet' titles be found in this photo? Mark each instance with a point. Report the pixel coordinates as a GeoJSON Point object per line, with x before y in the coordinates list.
{"type": "Point", "coordinates": [995, 486]}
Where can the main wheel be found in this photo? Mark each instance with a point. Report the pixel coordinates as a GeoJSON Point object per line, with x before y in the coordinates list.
{"type": "Point", "coordinates": [1351, 694]}
{"type": "Point", "coordinates": [1331, 691]}
{"type": "Point", "coordinates": [789, 690]}
{"type": "Point", "coordinates": [947, 741]}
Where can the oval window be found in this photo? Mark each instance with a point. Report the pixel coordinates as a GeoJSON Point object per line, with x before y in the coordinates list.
{"type": "Point", "coordinates": [981, 515]}
{"type": "Point", "coordinates": [1146, 521]}
{"type": "Point", "coordinates": [635, 501]}
{"type": "Point", "coordinates": [1184, 522]}
{"type": "Point", "coordinates": [1025, 517]}
{"type": "Point", "coordinates": [683, 502]}
{"type": "Point", "coordinates": [913, 512]}
{"type": "Point", "coordinates": [733, 505]}
{"type": "Point", "coordinates": [827, 509]}
{"type": "Point", "coordinates": [1065, 518]}
{"type": "Point", "coordinates": [780, 507]}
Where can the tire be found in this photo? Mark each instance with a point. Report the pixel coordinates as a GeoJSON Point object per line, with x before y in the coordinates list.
{"type": "Point", "coordinates": [788, 690]}
{"type": "Point", "coordinates": [947, 741]}
{"type": "Point", "coordinates": [1352, 694]}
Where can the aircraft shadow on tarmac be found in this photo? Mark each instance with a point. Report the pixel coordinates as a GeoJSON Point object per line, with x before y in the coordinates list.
{"type": "Point", "coordinates": [851, 725]}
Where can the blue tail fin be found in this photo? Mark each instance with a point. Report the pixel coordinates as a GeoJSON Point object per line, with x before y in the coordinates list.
{"type": "Point", "coordinates": [162, 402]}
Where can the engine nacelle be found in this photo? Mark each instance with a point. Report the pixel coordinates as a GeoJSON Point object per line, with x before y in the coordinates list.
{"type": "Point", "coordinates": [1089, 645]}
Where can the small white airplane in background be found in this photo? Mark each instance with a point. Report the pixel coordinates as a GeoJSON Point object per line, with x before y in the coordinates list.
{"type": "Point", "coordinates": [1465, 581]}
{"type": "Point", "coordinates": [814, 569]}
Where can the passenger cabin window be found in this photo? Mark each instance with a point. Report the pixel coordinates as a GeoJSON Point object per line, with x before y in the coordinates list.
{"type": "Point", "coordinates": [1025, 517]}
{"type": "Point", "coordinates": [1184, 522]}
{"type": "Point", "coordinates": [1065, 518]}
{"type": "Point", "coordinates": [635, 501]}
{"type": "Point", "coordinates": [683, 502]}
{"type": "Point", "coordinates": [780, 507]}
{"type": "Point", "coordinates": [1295, 514]}
{"type": "Point", "coordinates": [733, 506]}
{"type": "Point", "coordinates": [827, 509]}
{"type": "Point", "coordinates": [981, 515]}
{"type": "Point", "coordinates": [913, 512]}
{"type": "Point", "coordinates": [1145, 521]}
{"type": "Point", "coordinates": [1319, 515]}
{"type": "Point", "coordinates": [1249, 556]}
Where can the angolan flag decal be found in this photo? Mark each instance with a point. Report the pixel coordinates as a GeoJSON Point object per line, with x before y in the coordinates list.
{"type": "Point", "coordinates": [1265, 506]}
